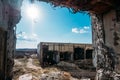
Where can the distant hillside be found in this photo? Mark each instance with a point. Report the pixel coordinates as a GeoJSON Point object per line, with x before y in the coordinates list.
{"type": "Point", "coordinates": [20, 53]}
{"type": "Point", "coordinates": [26, 49]}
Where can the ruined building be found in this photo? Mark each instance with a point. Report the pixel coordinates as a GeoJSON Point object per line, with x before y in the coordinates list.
{"type": "Point", "coordinates": [105, 16]}
{"type": "Point", "coordinates": [49, 52]}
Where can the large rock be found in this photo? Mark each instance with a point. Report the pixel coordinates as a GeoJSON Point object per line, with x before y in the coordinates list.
{"type": "Point", "coordinates": [26, 77]}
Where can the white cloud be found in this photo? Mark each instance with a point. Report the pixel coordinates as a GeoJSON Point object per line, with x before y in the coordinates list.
{"type": "Point", "coordinates": [27, 37]}
{"type": "Point", "coordinates": [82, 30]}
{"type": "Point", "coordinates": [35, 35]}
{"type": "Point", "coordinates": [75, 30]}
{"type": "Point", "coordinates": [86, 27]}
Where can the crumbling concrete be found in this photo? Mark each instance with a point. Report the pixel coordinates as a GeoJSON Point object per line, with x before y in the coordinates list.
{"type": "Point", "coordinates": [50, 53]}
{"type": "Point", "coordinates": [9, 17]}
{"type": "Point", "coordinates": [106, 51]}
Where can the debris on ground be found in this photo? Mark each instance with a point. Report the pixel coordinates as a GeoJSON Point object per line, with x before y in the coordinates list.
{"type": "Point", "coordinates": [30, 69]}
{"type": "Point", "coordinates": [24, 69]}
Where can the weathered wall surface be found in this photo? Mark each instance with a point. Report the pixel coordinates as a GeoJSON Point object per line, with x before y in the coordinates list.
{"type": "Point", "coordinates": [112, 35]}
{"type": "Point", "coordinates": [9, 17]}
{"type": "Point", "coordinates": [101, 58]}
{"type": "Point", "coordinates": [68, 49]}
{"type": "Point", "coordinates": [2, 50]}
{"type": "Point", "coordinates": [106, 46]}
{"type": "Point", "coordinates": [63, 47]}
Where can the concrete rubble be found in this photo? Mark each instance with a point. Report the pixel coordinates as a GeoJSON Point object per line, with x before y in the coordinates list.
{"type": "Point", "coordinates": [66, 64]}
{"type": "Point", "coordinates": [26, 69]}
{"type": "Point", "coordinates": [26, 77]}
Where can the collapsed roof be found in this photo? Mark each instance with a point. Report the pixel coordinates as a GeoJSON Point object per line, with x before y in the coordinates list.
{"type": "Point", "coordinates": [94, 6]}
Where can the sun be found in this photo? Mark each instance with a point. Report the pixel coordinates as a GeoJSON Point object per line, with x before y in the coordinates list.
{"type": "Point", "coordinates": [33, 12]}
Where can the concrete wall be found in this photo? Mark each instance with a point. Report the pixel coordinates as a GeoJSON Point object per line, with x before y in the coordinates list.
{"type": "Point", "coordinates": [2, 53]}
{"type": "Point", "coordinates": [60, 49]}
{"type": "Point", "coordinates": [9, 17]}
{"type": "Point", "coordinates": [63, 47]}
{"type": "Point", "coordinates": [106, 37]}
{"type": "Point", "coordinates": [112, 35]}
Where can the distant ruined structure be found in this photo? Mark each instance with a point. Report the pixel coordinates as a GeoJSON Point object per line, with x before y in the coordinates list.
{"type": "Point", "coordinates": [51, 52]}
{"type": "Point", "coordinates": [105, 16]}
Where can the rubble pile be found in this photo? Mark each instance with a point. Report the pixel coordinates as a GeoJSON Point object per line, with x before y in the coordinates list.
{"type": "Point", "coordinates": [24, 69]}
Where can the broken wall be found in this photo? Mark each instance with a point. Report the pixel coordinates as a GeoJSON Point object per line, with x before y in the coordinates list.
{"type": "Point", "coordinates": [9, 17]}
{"type": "Point", "coordinates": [106, 56]}
{"type": "Point", "coordinates": [112, 35]}
{"type": "Point", "coordinates": [2, 55]}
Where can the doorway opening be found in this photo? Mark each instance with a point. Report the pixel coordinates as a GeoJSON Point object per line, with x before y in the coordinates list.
{"type": "Point", "coordinates": [89, 53]}
{"type": "Point", "coordinates": [65, 56]}
{"type": "Point", "coordinates": [78, 53]}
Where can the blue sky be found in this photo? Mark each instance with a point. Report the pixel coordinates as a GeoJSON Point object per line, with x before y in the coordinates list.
{"type": "Point", "coordinates": [52, 25]}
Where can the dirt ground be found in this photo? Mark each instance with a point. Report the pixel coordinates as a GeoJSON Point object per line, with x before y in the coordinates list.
{"type": "Point", "coordinates": [30, 69]}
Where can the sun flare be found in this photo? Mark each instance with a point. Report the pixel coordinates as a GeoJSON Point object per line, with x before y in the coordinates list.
{"type": "Point", "coordinates": [32, 12]}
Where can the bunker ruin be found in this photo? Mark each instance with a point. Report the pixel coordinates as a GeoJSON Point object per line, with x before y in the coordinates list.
{"type": "Point", "coordinates": [53, 53]}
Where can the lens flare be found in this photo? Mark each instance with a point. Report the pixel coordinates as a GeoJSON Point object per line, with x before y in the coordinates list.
{"type": "Point", "coordinates": [32, 12]}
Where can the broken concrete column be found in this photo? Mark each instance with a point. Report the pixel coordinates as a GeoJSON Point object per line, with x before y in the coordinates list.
{"type": "Point", "coordinates": [11, 42]}
{"type": "Point", "coordinates": [98, 42]}
{"type": "Point", "coordinates": [41, 54]}
{"type": "Point", "coordinates": [58, 57]}
{"type": "Point", "coordinates": [71, 56]}
{"type": "Point", "coordinates": [85, 53]}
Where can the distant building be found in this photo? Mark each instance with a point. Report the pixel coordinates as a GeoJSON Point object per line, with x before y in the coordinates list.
{"type": "Point", "coordinates": [49, 52]}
